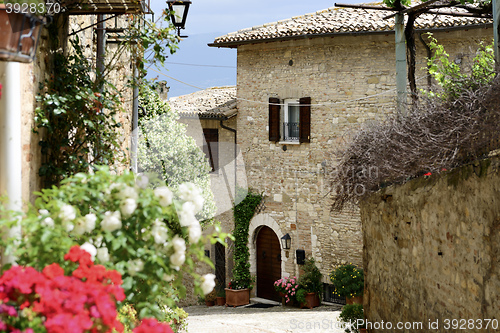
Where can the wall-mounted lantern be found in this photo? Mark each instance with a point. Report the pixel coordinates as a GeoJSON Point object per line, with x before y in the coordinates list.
{"type": "Point", "coordinates": [286, 242]}
{"type": "Point", "coordinates": [178, 13]}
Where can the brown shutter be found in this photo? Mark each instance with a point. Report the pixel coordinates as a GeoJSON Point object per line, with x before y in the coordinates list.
{"type": "Point", "coordinates": [211, 148]}
{"type": "Point", "coordinates": [305, 119]}
{"type": "Point", "coordinates": [274, 119]}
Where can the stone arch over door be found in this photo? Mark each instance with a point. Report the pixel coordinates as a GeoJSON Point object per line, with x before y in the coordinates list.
{"type": "Point", "coordinates": [259, 222]}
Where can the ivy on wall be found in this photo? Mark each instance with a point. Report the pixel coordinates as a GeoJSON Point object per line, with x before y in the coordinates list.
{"type": "Point", "coordinates": [243, 214]}
{"type": "Point", "coordinates": [78, 117]}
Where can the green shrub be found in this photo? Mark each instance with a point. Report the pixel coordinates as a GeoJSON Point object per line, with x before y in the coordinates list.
{"type": "Point", "coordinates": [348, 280]}
{"type": "Point", "coordinates": [311, 279]}
{"type": "Point", "coordinates": [353, 318]}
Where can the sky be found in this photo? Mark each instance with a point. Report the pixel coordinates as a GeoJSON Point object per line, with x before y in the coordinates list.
{"type": "Point", "coordinates": [199, 66]}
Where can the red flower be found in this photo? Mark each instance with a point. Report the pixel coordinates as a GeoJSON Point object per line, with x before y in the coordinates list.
{"type": "Point", "coordinates": [52, 271]}
{"type": "Point", "coordinates": [83, 302]}
{"type": "Point", "coordinates": [428, 174]}
{"type": "Point", "coordinates": [150, 325]}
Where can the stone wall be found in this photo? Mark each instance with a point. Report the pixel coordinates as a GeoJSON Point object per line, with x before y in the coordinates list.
{"type": "Point", "coordinates": [40, 69]}
{"type": "Point", "coordinates": [222, 185]}
{"type": "Point", "coordinates": [431, 250]}
{"type": "Point", "coordinates": [351, 80]}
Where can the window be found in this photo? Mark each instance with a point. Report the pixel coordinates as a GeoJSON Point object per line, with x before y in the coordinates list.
{"type": "Point", "coordinates": [294, 125]}
{"type": "Point", "coordinates": [211, 147]}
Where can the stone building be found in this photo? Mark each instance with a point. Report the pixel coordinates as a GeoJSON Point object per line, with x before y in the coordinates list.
{"type": "Point", "coordinates": [82, 22]}
{"type": "Point", "coordinates": [303, 86]}
{"type": "Point", "coordinates": [211, 119]}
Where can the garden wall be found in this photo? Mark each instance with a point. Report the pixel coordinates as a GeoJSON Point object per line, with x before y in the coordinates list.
{"type": "Point", "coordinates": [432, 251]}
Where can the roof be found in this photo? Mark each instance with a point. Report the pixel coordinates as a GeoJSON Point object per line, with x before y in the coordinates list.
{"type": "Point", "coordinates": [211, 103]}
{"type": "Point", "coordinates": [337, 20]}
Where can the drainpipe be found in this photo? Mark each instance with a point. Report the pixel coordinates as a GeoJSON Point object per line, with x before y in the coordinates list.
{"type": "Point", "coordinates": [101, 45]}
{"type": "Point", "coordinates": [135, 124]}
{"type": "Point", "coordinates": [235, 151]}
{"type": "Point", "coordinates": [10, 141]}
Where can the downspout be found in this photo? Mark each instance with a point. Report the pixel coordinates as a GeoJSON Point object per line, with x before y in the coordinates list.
{"type": "Point", "coordinates": [101, 46]}
{"type": "Point", "coordinates": [135, 124]}
{"type": "Point", "coordinates": [10, 143]}
{"type": "Point", "coordinates": [235, 151]}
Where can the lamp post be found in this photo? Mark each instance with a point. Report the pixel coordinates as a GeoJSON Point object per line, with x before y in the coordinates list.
{"type": "Point", "coordinates": [178, 13]}
{"type": "Point", "coordinates": [286, 242]}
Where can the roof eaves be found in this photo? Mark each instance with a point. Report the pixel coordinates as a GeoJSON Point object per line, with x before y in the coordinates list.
{"type": "Point", "coordinates": [234, 44]}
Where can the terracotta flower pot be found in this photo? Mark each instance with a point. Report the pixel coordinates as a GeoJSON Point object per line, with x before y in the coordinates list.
{"type": "Point", "coordinates": [355, 299]}
{"type": "Point", "coordinates": [312, 301]}
{"type": "Point", "coordinates": [221, 301]}
{"type": "Point", "coordinates": [209, 303]}
{"type": "Point", "coordinates": [237, 297]}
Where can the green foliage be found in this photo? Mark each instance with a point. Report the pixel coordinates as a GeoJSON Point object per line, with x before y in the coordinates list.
{"type": "Point", "coordinates": [177, 317]}
{"type": "Point", "coordinates": [138, 231]}
{"type": "Point", "coordinates": [77, 117]}
{"type": "Point", "coordinates": [452, 78]}
{"type": "Point", "coordinates": [352, 315]}
{"type": "Point", "coordinates": [391, 3]}
{"type": "Point", "coordinates": [348, 280]}
{"type": "Point", "coordinates": [128, 317]}
{"type": "Point", "coordinates": [243, 213]}
{"type": "Point", "coordinates": [165, 149]}
{"type": "Point", "coordinates": [310, 281]}
{"type": "Point", "coordinates": [300, 295]}
{"type": "Point", "coordinates": [156, 39]}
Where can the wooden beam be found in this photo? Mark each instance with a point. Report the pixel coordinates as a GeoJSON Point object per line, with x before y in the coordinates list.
{"type": "Point", "coordinates": [346, 5]}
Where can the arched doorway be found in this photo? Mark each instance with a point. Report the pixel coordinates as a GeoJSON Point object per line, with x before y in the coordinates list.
{"type": "Point", "coordinates": [268, 263]}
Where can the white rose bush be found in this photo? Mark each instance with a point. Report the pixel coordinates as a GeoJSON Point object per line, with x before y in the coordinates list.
{"type": "Point", "coordinates": [150, 236]}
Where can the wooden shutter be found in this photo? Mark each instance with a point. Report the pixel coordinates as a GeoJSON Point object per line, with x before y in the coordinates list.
{"type": "Point", "coordinates": [211, 149]}
{"type": "Point", "coordinates": [305, 119]}
{"type": "Point", "coordinates": [274, 119]}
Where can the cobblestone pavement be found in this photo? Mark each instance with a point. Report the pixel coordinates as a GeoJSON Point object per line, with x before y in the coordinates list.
{"type": "Point", "coordinates": [277, 319]}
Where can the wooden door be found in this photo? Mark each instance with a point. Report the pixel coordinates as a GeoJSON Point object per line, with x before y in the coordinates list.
{"type": "Point", "coordinates": [268, 263]}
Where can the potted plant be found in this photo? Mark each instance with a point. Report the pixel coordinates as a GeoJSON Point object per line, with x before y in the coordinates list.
{"type": "Point", "coordinates": [20, 28]}
{"type": "Point", "coordinates": [221, 296]}
{"type": "Point", "coordinates": [352, 318]}
{"type": "Point", "coordinates": [210, 298]}
{"type": "Point", "coordinates": [349, 282]}
{"type": "Point", "coordinates": [238, 293]}
{"type": "Point", "coordinates": [310, 285]}
{"type": "Point", "coordinates": [287, 287]}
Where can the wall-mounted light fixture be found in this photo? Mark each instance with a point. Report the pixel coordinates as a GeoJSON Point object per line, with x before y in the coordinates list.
{"type": "Point", "coordinates": [286, 242]}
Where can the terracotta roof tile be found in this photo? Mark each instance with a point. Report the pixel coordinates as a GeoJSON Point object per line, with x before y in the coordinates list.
{"type": "Point", "coordinates": [209, 103]}
{"type": "Point", "coordinates": [336, 20]}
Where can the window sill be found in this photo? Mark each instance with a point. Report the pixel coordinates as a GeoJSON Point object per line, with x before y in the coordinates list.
{"type": "Point", "coordinates": [289, 143]}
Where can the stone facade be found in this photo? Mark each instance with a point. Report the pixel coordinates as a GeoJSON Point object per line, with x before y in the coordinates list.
{"type": "Point", "coordinates": [39, 70]}
{"type": "Point", "coordinates": [431, 251]}
{"type": "Point", "coordinates": [204, 110]}
{"type": "Point", "coordinates": [351, 80]}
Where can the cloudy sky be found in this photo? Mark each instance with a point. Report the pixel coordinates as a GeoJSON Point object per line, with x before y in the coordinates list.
{"type": "Point", "coordinates": [200, 66]}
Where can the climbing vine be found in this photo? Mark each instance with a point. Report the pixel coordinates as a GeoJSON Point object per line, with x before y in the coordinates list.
{"type": "Point", "coordinates": [79, 108]}
{"type": "Point", "coordinates": [243, 213]}
{"type": "Point", "coordinates": [78, 116]}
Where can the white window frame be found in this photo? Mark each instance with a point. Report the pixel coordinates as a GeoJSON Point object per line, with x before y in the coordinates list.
{"type": "Point", "coordinates": [287, 102]}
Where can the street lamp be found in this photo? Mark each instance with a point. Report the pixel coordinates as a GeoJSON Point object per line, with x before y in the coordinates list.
{"type": "Point", "coordinates": [286, 242]}
{"type": "Point", "coordinates": [178, 13]}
